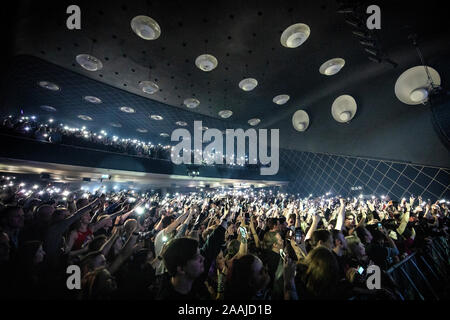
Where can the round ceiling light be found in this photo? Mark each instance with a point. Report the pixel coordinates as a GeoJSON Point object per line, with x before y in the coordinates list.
{"type": "Point", "coordinates": [181, 123]}
{"type": "Point", "coordinates": [281, 99]}
{"type": "Point", "coordinates": [156, 117]}
{"type": "Point", "coordinates": [191, 103]}
{"type": "Point", "coordinates": [115, 124]}
{"type": "Point", "coordinates": [295, 35]}
{"type": "Point", "coordinates": [48, 85]}
{"type": "Point", "coordinates": [85, 118]}
{"type": "Point", "coordinates": [48, 108]}
{"type": "Point", "coordinates": [344, 108]}
{"type": "Point", "coordinates": [300, 120]}
{"type": "Point", "coordinates": [248, 84]}
{"type": "Point", "coordinates": [206, 62]}
{"type": "Point", "coordinates": [89, 62]}
{"type": "Point", "coordinates": [225, 114]}
{"type": "Point", "coordinates": [148, 87]}
{"type": "Point", "coordinates": [142, 130]}
{"type": "Point", "coordinates": [412, 85]}
{"type": "Point", "coordinates": [254, 122]}
{"type": "Point", "coordinates": [127, 109]}
{"type": "Point", "coordinates": [92, 99]}
{"type": "Point", "coordinates": [145, 27]}
{"type": "Point", "coordinates": [332, 66]}
{"type": "Point", "coordinates": [163, 134]}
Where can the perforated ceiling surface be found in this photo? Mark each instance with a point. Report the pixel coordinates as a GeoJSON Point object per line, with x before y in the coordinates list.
{"type": "Point", "coordinates": [245, 38]}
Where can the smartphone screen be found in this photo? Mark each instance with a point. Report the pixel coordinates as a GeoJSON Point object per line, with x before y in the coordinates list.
{"type": "Point", "coordinates": [298, 235]}
{"type": "Point", "coordinates": [282, 254]}
{"type": "Point", "coordinates": [360, 270]}
{"type": "Point", "coordinates": [243, 232]}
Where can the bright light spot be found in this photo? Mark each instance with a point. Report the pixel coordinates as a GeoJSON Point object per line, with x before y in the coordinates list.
{"type": "Point", "coordinates": [140, 210]}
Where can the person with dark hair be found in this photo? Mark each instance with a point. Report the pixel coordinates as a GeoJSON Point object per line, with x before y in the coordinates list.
{"type": "Point", "coordinates": [382, 250]}
{"type": "Point", "coordinates": [318, 277]}
{"type": "Point", "coordinates": [364, 235]}
{"type": "Point", "coordinates": [98, 284]}
{"type": "Point", "coordinates": [188, 265]}
{"type": "Point", "coordinates": [272, 244]}
{"type": "Point", "coordinates": [12, 222]}
{"type": "Point", "coordinates": [322, 237]}
{"type": "Point", "coordinates": [167, 226]}
{"type": "Point", "coordinates": [249, 279]}
{"type": "Point", "coordinates": [28, 279]}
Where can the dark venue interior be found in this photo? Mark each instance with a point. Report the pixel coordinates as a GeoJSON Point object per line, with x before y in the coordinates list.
{"type": "Point", "coordinates": [225, 151]}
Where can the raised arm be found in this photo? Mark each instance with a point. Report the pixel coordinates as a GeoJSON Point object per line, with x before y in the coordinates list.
{"type": "Point", "coordinates": [341, 215]}
{"type": "Point", "coordinates": [313, 227]}
{"type": "Point", "coordinates": [125, 252]}
{"type": "Point", "coordinates": [253, 231]}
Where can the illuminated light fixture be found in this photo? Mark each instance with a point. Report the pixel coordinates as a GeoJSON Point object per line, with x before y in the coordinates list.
{"type": "Point", "coordinates": [92, 99]}
{"type": "Point", "coordinates": [344, 108]}
{"type": "Point", "coordinates": [205, 128]}
{"type": "Point", "coordinates": [254, 122]}
{"type": "Point", "coordinates": [295, 35]}
{"type": "Point", "coordinates": [146, 27]}
{"type": "Point", "coordinates": [142, 130]}
{"type": "Point", "coordinates": [181, 123]}
{"type": "Point", "coordinates": [206, 62]}
{"type": "Point", "coordinates": [165, 135]}
{"type": "Point", "coordinates": [49, 85]}
{"type": "Point", "coordinates": [156, 117]}
{"type": "Point", "coordinates": [281, 99]}
{"type": "Point", "coordinates": [88, 62]}
{"type": "Point", "coordinates": [115, 124]}
{"type": "Point", "coordinates": [191, 103]}
{"type": "Point", "coordinates": [48, 108]}
{"type": "Point", "coordinates": [148, 87]}
{"type": "Point", "coordinates": [332, 66]}
{"type": "Point", "coordinates": [225, 114]}
{"type": "Point", "coordinates": [300, 120]}
{"type": "Point", "coordinates": [85, 118]}
{"type": "Point", "coordinates": [127, 109]}
{"type": "Point", "coordinates": [412, 86]}
{"type": "Point", "coordinates": [248, 84]}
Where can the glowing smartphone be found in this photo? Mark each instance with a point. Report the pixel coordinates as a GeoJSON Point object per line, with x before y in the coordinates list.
{"type": "Point", "coordinates": [243, 232]}
{"type": "Point", "coordinates": [360, 270]}
{"type": "Point", "coordinates": [282, 254]}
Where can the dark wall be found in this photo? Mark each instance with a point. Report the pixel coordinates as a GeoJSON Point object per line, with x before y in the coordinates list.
{"type": "Point", "coordinates": [317, 174]}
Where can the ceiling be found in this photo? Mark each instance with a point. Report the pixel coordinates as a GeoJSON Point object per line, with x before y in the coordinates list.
{"type": "Point", "coordinates": [245, 38]}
